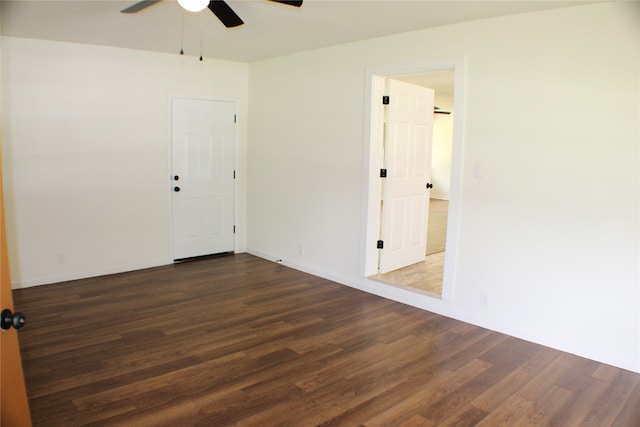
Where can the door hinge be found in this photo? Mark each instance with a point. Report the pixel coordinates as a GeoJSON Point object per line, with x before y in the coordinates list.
{"type": "Point", "coordinates": [383, 173]}
{"type": "Point", "coordinates": [385, 100]}
{"type": "Point", "coordinates": [380, 244]}
{"type": "Point", "coordinates": [234, 174]}
{"type": "Point", "coordinates": [234, 229]}
{"type": "Point", "coordinates": [234, 118]}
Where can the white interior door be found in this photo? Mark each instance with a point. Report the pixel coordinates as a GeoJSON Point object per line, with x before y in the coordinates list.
{"type": "Point", "coordinates": [202, 145]}
{"type": "Point", "coordinates": [407, 159]}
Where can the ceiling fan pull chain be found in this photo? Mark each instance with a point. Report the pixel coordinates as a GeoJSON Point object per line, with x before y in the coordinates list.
{"type": "Point", "coordinates": [181, 33]}
{"type": "Point", "coordinates": [201, 31]}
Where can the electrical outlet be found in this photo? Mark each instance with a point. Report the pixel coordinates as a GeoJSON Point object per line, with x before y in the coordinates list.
{"type": "Point", "coordinates": [477, 170]}
{"type": "Point", "coordinates": [301, 250]}
{"type": "Point", "coordinates": [484, 299]}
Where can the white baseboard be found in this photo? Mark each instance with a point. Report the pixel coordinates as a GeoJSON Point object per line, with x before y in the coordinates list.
{"type": "Point", "coordinates": [89, 274]}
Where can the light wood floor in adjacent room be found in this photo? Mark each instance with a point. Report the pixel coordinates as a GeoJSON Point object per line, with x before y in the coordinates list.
{"type": "Point", "coordinates": [437, 226]}
{"type": "Point", "coordinates": [426, 276]}
{"type": "Point", "coordinates": [243, 341]}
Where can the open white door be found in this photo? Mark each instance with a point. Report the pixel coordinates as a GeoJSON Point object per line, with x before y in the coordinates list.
{"type": "Point", "coordinates": [202, 145]}
{"type": "Point", "coordinates": [407, 160]}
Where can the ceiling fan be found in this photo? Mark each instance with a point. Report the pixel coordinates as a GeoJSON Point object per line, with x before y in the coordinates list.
{"type": "Point", "coordinates": [219, 8]}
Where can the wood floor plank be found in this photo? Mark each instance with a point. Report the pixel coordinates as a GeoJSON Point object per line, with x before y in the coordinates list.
{"type": "Point", "coordinates": [417, 421]}
{"type": "Point", "coordinates": [545, 408]}
{"type": "Point", "coordinates": [238, 340]}
{"type": "Point", "coordinates": [507, 413]}
{"type": "Point", "coordinates": [618, 395]}
{"type": "Point", "coordinates": [436, 385]}
{"type": "Point", "coordinates": [581, 404]}
{"type": "Point", "coordinates": [630, 412]}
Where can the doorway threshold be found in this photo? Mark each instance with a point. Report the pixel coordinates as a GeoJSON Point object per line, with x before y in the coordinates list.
{"type": "Point", "coordinates": [424, 277]}
{"type": "Point", "coordinates": [202, 257]}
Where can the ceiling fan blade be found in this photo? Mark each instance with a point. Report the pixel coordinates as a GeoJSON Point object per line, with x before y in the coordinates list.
{"type": "Point", "coordinates": [224, 13]}
{"type": "Point", "coordinates": [138, 6]}
{"type": "Point", "coordinates": [296, 3]}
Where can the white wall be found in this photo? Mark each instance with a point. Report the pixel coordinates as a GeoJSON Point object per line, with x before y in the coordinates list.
{"type": "Point", "coordinates": [550, 233]}
{"type": "Point", "coordinates": [86, 154]}
{"type": "Point", "coordinates": [442, 148]}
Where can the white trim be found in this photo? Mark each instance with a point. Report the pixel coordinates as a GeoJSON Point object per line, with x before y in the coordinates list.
{"type": "Point", "coordinates": [374, 80]}
{"type": "Point", "coordinates": [169, 174]}
{"type": "Point", "coordinates": [236, 170]}
{"type": "Point", "coordinates": [90, 274]}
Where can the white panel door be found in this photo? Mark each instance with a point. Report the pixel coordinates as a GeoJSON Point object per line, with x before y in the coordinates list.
{"type": "Point", "coordinates": [407, 158]}
{"type": "Point", "coordinates": [202, 145]}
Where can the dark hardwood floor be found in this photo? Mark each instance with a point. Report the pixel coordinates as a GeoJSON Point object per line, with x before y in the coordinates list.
{"type": "Point", "coordinates": [238, 340]}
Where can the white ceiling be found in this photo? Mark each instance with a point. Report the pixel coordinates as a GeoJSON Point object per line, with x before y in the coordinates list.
{"type": "Point", "coordinates": [270, 29]}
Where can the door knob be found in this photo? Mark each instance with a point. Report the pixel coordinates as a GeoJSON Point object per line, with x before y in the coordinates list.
{"type": "Point", "coordinates": [176, 177]}
{"type": "Point", "coordinates": [8, 319]}
{"type": "Point", "coordinates": [176, 189]}
{"type": "Point", "coordinates": [429, 185]}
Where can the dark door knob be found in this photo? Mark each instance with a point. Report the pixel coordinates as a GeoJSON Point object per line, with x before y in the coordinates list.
{"type": "Point", "coordinates": [429, 185]}
{"type": "Point", "coordinates": [176, 189]}
{"type": "Point", "coordinates": [8, 319]}
{"type": "Point", "coordinates": [176, 177]}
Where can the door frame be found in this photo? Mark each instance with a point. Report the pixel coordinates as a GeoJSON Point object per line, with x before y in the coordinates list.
{"type": "Point", "coordinates": [236, 156]}
{"type": "Point", "coordinates": [374, 125]}
{"type": "Point", "coordinates": [398, 189]}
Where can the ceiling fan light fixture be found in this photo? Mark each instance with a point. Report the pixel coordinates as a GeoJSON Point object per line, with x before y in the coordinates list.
{"type": "Point", "coordinates": [193, 5]}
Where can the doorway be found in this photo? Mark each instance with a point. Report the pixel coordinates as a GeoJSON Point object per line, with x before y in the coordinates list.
{"type": "Point", "coordinates": [443, 75]}
{"type": "Point", "coordinates": [202, 177]}
{"type": "Point", "coordinates": [426, 275]}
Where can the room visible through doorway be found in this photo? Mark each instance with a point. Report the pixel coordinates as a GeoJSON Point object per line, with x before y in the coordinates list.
{"type": "Point", "coordinates": [427, 276]}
